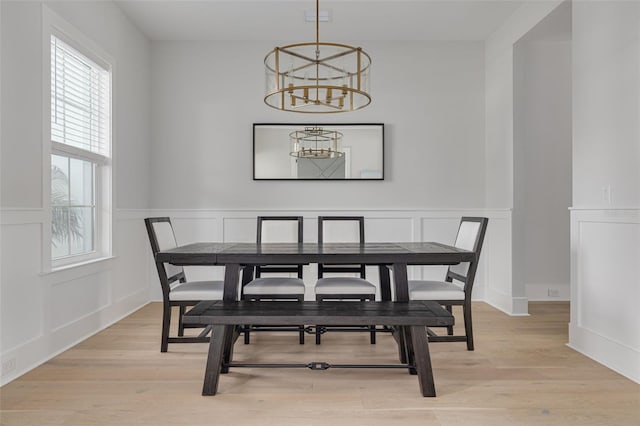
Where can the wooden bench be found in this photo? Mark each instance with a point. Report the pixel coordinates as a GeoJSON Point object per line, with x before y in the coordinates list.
{"type": "Point", "coordinates": [409, 319]}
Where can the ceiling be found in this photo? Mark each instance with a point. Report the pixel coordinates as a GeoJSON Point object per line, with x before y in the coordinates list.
{"type": "Point", "coordinates": [350, 19]}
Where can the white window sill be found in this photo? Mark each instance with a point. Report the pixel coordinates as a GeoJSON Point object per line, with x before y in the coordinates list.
{"type": "Point", "coordinates": [78, 265]}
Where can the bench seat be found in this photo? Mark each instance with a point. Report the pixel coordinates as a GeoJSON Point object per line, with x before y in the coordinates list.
{"type": "Point", "coordinates": [410, 319]}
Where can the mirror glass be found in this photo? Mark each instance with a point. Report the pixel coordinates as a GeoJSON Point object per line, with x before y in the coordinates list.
{"type": "Point", "coordinates": [318, 151]}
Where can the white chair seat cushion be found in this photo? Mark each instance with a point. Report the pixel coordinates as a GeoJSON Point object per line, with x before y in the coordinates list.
{"type": "Point", "coordinates": [435, 290]}
{"type": "Point", "coordinates": [275, 285]}
{"type": "Point", "coordinates": [344, 285]}
{"type": "Point", "coordinates": [197, 290]}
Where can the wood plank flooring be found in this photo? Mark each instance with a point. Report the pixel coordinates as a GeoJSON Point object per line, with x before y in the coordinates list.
{"type": "Point", "coordinates": [521, 373]}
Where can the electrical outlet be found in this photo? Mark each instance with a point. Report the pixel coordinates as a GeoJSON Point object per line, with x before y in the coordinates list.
{"type": "Point", "coordinates": [553, 292]}
{"type": "Point", "coordinates": [8, 366]}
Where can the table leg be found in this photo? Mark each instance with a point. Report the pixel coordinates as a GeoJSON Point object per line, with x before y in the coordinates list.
{"type": "Point", "coordinates": [400, 281]}
{"type": "Point", "coordinates": [402, 295]}
{"type": "Point", "coordinates": [231, 277]}
{"type": "Point", "coordinates": [214, 360]}
{"type": "Point", "coordinates": [231, 280]}
{"type": "Point", "coordinates": [422, 360]}
{"type": "Point", "coordinates": [398, 335]}
{"type": "Point", "coordinates": [248, 272]}
{"type": "Point", "coordinates": [385, 282]}
{"type": "Point", "coordinates": [411, 356]}
{"type": "Point", "coordinates": [230, 338]}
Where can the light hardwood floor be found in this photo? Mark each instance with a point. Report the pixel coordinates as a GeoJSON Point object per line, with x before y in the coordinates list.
{"type": "Point", "coordinates": [521, 373]}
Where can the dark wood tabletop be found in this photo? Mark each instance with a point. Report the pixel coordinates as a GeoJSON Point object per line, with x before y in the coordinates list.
{"type": "Point", "coordinates": [427, 253]}
{"type": "Point", "coordinates": [384, 254]}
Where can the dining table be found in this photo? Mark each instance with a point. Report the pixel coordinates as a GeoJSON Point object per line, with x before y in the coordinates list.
{"type": "Point", "coordinates": [391, 258]}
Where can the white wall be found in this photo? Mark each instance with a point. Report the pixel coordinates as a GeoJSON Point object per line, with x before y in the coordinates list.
{"type": "Point", "coordinates": [206, 95]}
{"type": "Point", "coordinates": [429, 95]}
{"type": "Point", "coordinates": [542, 159]}
{"type": "Point", "coordinates": [605, 219]}
{"type": "Point", "coordinates": [499, 135]}
{"type": "Point", "coordinates": [41, 315]}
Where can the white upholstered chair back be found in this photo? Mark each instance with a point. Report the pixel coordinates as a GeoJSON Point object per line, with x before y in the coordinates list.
{"type": "Point", "coordinates": [338, 231]}
{"type": "Point", "coordinates": [466, 239]}
{"type": "Point", "coordinates": [166, 240]}
{"type": "Point", "coordinates": [279, 231]}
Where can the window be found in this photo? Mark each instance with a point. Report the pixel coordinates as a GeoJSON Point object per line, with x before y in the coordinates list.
{"type": "Point", "coordinates": [80, 155]}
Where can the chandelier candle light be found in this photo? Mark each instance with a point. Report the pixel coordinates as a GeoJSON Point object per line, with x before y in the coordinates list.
{"type": "Point", "coordinates": [317, 77]}
{"type": "Point", "coordinates": [316, 142]}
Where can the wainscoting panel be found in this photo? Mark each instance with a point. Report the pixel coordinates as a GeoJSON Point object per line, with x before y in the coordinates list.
{"type": "Point", "coordinates": [43, 314]}
{"type": "Point", "coordinates": [77, 298]}
{"type": "Point", "coordinates": [605, 287]}
{"type": "Point", "coordinates": [21, 295]}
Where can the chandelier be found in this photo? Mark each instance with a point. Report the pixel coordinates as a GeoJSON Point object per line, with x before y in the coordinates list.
{"type": "Point", "coordinates": [317, 77]}
{"type": "Point", "coordinates": [316, 142]}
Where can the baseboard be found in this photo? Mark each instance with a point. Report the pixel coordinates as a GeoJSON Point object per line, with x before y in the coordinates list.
{"type": "Point", "coordinates": [542, 292]}
{"type": "Point", "coordinates": [618, 357]}
{"type": "Point", "coordinates": [510, 305]}
{"type": "Point", "coordinates": [31, 354]}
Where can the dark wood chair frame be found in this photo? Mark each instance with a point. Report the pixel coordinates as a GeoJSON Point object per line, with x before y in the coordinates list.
{"type": "Point", "coordinates": [167, 304]}
{"type": "Point", "coordinates": [262, 269]}
{"type": "Point", "coordinates": [468, 287]}
{"type": "Point", "coordinates": [331, 268]}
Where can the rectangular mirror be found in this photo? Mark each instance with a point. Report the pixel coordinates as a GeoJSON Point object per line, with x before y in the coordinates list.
{"type": "Point", "coordinates": [318, 151]}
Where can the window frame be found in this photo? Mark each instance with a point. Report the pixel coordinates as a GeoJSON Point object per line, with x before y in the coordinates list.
{"type": "Point", "coordinates": [55, 26]}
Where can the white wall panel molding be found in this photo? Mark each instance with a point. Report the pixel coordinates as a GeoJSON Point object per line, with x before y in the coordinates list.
{"type": "Point", "coordinates": [21, 216]}
{"type": "Point", "coordinates": [36, 351]}
{"type": "Point", "coordinates": [69, 305]}
{"type": "Point", "coordinates": [493, 281]}
{"type": "Point", "coordinates": [605, 287]}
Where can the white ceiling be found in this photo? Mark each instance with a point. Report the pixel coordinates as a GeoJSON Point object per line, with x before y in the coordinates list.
{"type": "Point", "coordinates": [350, 19]}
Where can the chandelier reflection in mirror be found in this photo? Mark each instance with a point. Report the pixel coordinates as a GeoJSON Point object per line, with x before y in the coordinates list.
{"type": "Point", "coordinates": [316, 142]}
{"type": "Point", "coordinates": [317, 77]}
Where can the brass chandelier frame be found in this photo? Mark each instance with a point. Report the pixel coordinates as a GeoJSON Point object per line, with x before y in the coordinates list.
{"type": "Point", "coordinates": [312, 83]}
{"type": "Point", "coordinates": [316, 142]}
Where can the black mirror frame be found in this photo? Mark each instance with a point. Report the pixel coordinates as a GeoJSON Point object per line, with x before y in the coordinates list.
{"type": "Point", "coordinates": [318, 124]}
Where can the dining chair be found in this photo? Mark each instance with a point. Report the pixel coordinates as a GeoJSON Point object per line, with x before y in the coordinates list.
{"type": "Point", "coordinates": [458, 284]}
{"type": "Point", "coordinates": [277, 229]}
{"type": "Point", "coordinates": [343, 229]}
{"type": "Point", "coordinates": [176, 289]}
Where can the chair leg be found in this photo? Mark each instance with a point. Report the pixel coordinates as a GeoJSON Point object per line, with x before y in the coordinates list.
{"type": "Point", "coordinates": [301, 331]}
{"type": "Point", "coordinates": [449, 328]}
{"type": "Point", "coordinates": [318, 328]}
{"type": "Point", "coordinates": [180, 324]}
{"type": "Point", "coordinates": [247, 336]}
{"type": "Point", "coordinates": [468, 328]}
{"type": "Point", "coordinates": [372, 328]}
{"type": "Point", "coordinates": [166, 323]}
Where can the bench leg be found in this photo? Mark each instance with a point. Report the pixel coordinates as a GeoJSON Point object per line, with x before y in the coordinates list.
{"type": "Point", "coordinates": [422, 360]}
{"type": "Point", "coordinates": [214, 359]}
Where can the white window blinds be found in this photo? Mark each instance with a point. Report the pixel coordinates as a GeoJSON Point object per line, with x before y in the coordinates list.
{"type": "Point", "coordinates": [79, 100]}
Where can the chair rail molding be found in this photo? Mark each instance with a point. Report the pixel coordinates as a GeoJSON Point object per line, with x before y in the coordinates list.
{"type": "Point", "coordinates": [605, 287]}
